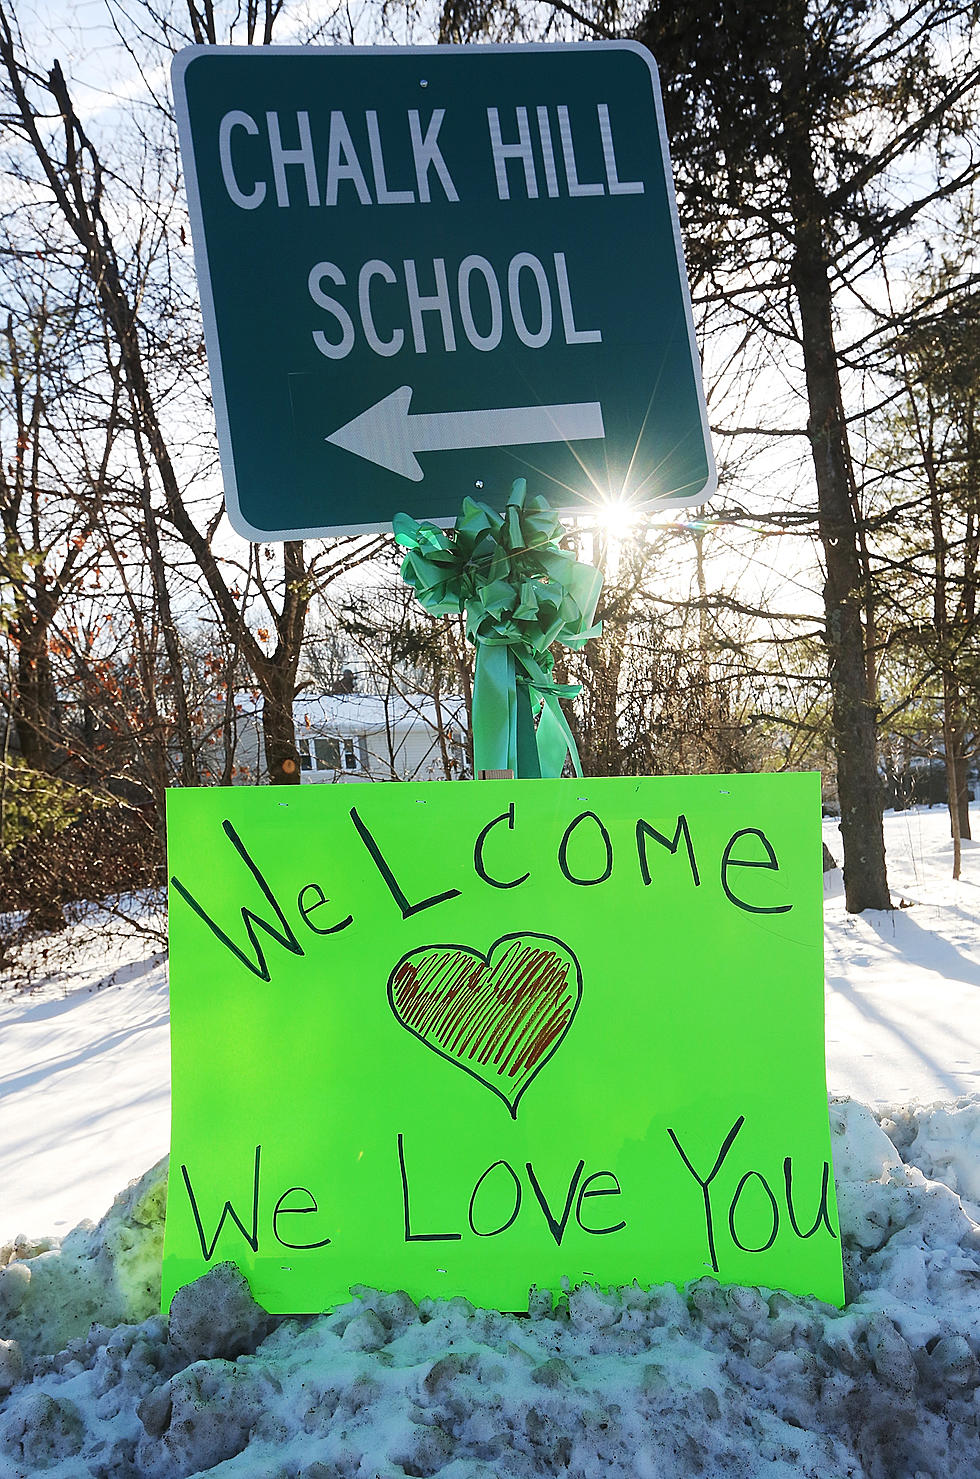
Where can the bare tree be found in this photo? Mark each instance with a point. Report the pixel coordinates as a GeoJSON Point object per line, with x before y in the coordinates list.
{"type": "Point", "coordinates": [78, 186]}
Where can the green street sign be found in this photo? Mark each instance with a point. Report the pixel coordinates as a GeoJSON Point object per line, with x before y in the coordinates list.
{"type": "Point", "coordinates": [427, 271]}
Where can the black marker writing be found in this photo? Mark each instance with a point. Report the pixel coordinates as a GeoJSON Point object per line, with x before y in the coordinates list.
{"type": "Point", "coordinates": [823, 1214]}
{"type": "Point", "coordinates": [601, 1191]}
{"type": "Point", "coordinates": [391, 881]}
{"type": "Point", "coordinates": [319, 899]}
{"type": "Point", "coordinates": [283, 936]}
{"type": "Point", "coordinates": [727, 1144]}
{"type": "Point", "coordinates": [281, 1211]}
{"type": "Point", "coordinates": [556, 1227]}
{"type": "Point", "coordinates": [727, 861]}
{"type": "Point", "coordinates": [563, 850]}
{"type": "Point", "coordinates": [251, 1238]}
{"type": "Point", "coordinates": [747, 1247]}
{"type": "Point", "coordinates": [518, 1194]}
{"type": "Point", "coordinates": [411, 1237]}
{"type": "Point", "coordinates": [508, 817]}
{"type": "Point", "coordinates": [644, 830]}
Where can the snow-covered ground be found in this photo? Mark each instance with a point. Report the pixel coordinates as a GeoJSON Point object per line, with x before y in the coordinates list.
{"type": "Point", "coordinates": [903, 989]}
{"type": "Point", "coordinates": [84, 1078]}
{"type": "Point", "coordinates": [631, 1383]}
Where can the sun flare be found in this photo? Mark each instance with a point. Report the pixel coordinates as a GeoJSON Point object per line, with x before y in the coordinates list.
{"type": "Point", "coordinates": [617, 517]}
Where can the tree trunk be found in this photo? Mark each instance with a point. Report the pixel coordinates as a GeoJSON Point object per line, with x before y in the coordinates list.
{"type": "Point", "coordinates": [276, 675]}
{"type": "Point", "coordinates": [853, 714]}
{"type": "Point", "coordinates": [447, 769]}
{"type": "Point", "coordinates": [278, 730]}
{"type": "Point", "coordinates": [604, 661]}
{"type": "Point", "coordinates": [959, 759]}
{"type": "Point", "coordinates": [963, 797]}
{"type": "Point", "coordinates": [952, 727]}
{"type": "Point", "coordinates": [711, 736]}
{"type": "Point", "coordinates": [951, 745]}
{"type": "Point", "coordinates": [34, 692]}
{"type": "Point", "coordinates": [229, 720]}
{"type": "Point", "coordinates": [189, 775]}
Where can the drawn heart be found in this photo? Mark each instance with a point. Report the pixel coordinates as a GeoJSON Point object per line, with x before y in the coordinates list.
{"type": "Point", "coordinates": [500, 1016]}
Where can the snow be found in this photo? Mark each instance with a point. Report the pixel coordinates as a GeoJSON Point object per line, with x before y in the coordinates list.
{"type": "Point", "coordinates": [903, 988]}
{"type": "Point", "coordinates": [632, 1383]}
{"type": "Point", "coordinates": [84, 1077]}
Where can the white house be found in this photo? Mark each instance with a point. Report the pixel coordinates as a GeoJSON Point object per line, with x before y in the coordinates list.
{"type": "Point", "coordinates": [366, 737]}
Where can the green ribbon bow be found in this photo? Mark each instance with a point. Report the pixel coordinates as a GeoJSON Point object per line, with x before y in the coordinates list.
{"type": "Point", "coordinates": [520, 593]}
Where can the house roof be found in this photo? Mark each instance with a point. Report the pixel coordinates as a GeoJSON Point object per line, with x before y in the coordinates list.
{"type": "Point", "coordinates": [344, 715]}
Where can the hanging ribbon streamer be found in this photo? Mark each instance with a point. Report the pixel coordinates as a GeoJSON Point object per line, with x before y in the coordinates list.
{"type": "Point", "coordinates": [520, 593]}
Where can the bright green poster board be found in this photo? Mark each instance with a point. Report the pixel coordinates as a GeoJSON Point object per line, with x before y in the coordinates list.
{"type": "Point", "coordinates": [461, 1038]}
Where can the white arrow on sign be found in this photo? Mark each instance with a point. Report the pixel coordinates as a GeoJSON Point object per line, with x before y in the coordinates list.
{"type": "Point", "coordinates": [388, 435]}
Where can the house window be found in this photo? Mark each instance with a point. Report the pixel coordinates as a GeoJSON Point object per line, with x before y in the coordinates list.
{"type": "Point", "coordinates": [351, 761]}
{"type": "Point", "coordinates": [319, 754]}
{"type": "Point", "coordinates": [327, 754]}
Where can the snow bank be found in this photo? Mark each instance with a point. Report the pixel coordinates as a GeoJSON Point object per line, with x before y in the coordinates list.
{"type": "Point", "coordinates": [943, 1140]}
{"type": "Point", "coordinates": [630, 1383]}
{"type": "Point", "coordinates": [53, 1290]}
